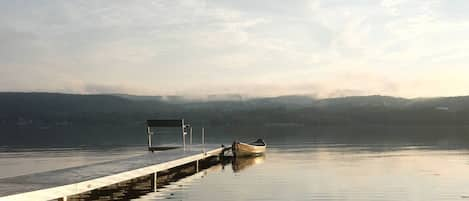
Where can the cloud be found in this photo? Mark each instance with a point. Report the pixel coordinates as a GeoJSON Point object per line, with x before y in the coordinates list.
{"type": "Point", "coordinates": [263, 47]}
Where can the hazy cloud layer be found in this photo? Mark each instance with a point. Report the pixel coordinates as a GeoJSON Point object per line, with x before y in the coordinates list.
{"type": "Point", "coordinates": [324, 48]}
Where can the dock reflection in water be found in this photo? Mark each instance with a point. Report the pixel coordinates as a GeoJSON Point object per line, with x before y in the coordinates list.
{"type": "Point", "coordinates": [175, 190]}
{"type": "Point", "coordinates": [143, 189]}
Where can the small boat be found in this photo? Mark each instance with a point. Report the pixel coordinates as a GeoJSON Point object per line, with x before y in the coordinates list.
{"type": "Point", "coordinates": [248, 149]}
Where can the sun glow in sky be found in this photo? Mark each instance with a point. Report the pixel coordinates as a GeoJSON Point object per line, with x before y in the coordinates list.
{"type": "Point", "coordinates": [325, 48]}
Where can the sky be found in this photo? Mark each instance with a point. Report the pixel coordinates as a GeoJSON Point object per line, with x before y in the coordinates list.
{"type": "Point", "coordinates": [323, 48]}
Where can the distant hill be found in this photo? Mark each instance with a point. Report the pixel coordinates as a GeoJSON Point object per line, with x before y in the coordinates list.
{"type": "Point", "coordinates": [55, 105]}
{"type": "Point", "coordinates": [23, 115]}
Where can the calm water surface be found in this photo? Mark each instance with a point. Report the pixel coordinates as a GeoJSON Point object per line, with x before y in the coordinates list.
{"type": "Point", "coordinates": [16, 161]}
{"type": "Point", "coordinates": [332, 172]}
{"type": "Point", "coordinates": [343, 164]}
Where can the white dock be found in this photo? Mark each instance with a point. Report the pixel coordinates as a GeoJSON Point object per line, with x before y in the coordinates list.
{"type": "Point", "coordinates": [59, 184]}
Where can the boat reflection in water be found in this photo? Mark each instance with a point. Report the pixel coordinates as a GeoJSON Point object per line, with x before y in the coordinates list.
{"type": "Point", "coordinates": [241, 163]}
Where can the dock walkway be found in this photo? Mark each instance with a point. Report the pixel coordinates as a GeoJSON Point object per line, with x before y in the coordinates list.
{"type": "Point", "coordinates": [70, 181]}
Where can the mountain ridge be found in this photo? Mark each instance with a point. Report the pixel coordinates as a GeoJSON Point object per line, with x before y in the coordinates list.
{"type": "Point", "coordinates": [30, 118]}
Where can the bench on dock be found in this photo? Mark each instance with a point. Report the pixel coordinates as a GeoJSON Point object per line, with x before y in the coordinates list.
{"type": "Point", "coordinates": [167, 123]}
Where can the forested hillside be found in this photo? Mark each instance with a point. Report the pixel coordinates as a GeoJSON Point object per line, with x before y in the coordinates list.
{"type": "Point", "coordinates": [22, 114]}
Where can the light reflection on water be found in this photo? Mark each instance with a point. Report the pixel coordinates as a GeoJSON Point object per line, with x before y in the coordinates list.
{"type": "Point", "coordinates": [331, 173]}
{"type": "Point", "coordinates": [15, 162]}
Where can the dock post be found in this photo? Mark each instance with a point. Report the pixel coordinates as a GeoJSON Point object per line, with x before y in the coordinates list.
{"type": "Point", "coordinates": [203, 139]}
{"type": "Point", "coordinates": [197, 166]}
{"type": "Point", "coordinates": [149, 137]}
{"type": "Point", "coordinates": [190, 136]}
{"type": "Point", "coordinates": [203, 136]}
{"type": "Point", "coordinates": [155, 181]}
{"type": "Point", "coordinates": [183, 135]}
{"type": "Point", "coordinates": [184, 142]}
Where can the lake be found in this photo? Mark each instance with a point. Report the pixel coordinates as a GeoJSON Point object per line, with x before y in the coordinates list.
{"type": "Point", "coordinates": [332, 163]}
{"type": "Point", "coordinates": [333, 172]}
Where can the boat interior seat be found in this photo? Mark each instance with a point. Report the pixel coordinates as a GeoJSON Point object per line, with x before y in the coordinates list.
{"type": "Point", "coordinates": [258, 142]}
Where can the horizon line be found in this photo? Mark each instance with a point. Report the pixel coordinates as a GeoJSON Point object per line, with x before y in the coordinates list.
{"type": "Point", "coordinates": [241, 96]}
